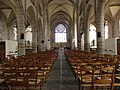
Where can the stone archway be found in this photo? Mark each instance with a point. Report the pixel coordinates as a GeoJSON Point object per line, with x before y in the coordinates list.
{"type": "Point", "coordinates": [31, 17]}
{"type": "Point", "coordinates": [61, 18]}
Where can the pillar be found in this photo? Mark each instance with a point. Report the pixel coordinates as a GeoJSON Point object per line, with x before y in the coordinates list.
{"type": "Point", "coordinates": [48, 39]}
{"type": "Point", "coordinates": [86, 31]}
{"type": "Point", "coordinates": [100, 27]}
{"type": "Point", "coordinates": [44, 31]}
{"type": "Point", "coordinates": [48, 33]}
{"type": "Point", "coordinates": [21, 28]}
{"type": "Point", "coordinates": [1, 28]}
{"type": "Point", "coordinates": [10, 33]}
{"type": "Point", "coordinates": [43, 47]}
{"type": "Point", "coordinates": [113, 31]}
{"type": "Point", "coordinates": [39, 37]}
{"type": "Point", "coordinates": [34, 38]}
{"type": "Point", "coordinates": [86, 37]}
{"type": "Point", "coordinates": [74, 31]}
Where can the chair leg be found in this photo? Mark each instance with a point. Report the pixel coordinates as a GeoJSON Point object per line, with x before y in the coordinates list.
{"type": "Point", "coordinates": [9, 87]}
{"type": "Point", "coordinates": [78, 84]}
{"type": "Point", "coordinates": [82, 88]}
{"type": "Point", "coordinates": [112, 88]}
{"type": "Point", "coordinates": [40, 87]}
{"type": "Point", "coordinates": [92, 88]}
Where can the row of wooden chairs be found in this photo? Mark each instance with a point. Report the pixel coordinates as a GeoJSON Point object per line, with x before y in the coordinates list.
{"type": "Point", "coordinates": [94, 70]}
{"type": "Point", "coordinates": [28, 71]}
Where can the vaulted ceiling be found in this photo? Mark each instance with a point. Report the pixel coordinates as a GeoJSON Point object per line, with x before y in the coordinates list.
{"type": "Point", "coordinates": [7, 11]}
{"type": "Point", "coordinates": [112, 9]}
{"type": "Point", "coordinates": [61, 11]}
{"type": "Point", "coordinates": [57, 10]}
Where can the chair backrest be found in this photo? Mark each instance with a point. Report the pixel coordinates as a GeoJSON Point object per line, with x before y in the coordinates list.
{"type": "Point", "coordinates": [86, 74]}
{"type": "Point", "coordinates": [106, 75]}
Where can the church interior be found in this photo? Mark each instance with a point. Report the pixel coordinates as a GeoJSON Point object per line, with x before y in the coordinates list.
{"type": "Point", "coordinates": [59, 44]}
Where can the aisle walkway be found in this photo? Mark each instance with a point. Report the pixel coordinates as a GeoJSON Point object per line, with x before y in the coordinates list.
{"type": "Point", "coordinates": [61, 77]}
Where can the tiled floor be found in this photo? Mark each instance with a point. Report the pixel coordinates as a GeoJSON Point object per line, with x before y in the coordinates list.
{"type": "Point", "coordinates": [61, 77]}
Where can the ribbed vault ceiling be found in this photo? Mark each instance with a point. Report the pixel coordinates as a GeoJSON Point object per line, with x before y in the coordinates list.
{"type": "Point", "coordinates": [61, 10]}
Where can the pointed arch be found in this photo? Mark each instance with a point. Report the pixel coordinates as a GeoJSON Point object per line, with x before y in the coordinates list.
{"type": "Point", "coordinates": [30, 14]}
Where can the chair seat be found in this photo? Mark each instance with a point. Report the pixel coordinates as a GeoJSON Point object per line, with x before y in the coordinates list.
{"type": "Point", "coordinates": [34, 82]}
{"type": "Point", "coordinates": [103, 81]}
{"type": "Point", "coordinates": [17, 83]}
{"type": "Point", "coordinates": [86, 80]}
{"type": "Point", "coordinates": [102, 85]}
{"type": "Point", "coordinates": [2, 80]}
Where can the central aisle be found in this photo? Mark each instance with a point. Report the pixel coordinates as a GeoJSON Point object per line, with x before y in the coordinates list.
{"type": "Point", "coordinates": [61, 77]}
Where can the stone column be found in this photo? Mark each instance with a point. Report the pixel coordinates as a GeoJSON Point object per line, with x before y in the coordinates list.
{"type": "Point", "coordinates": [73, 40]}
{"type": "Point", "coordinates": [82, 41]}
{"type": "Point", "coordinates": [39, 35]}
{"type": "Point", "coordinates": [10, 33]}
{"type": "Point", "coordinates": [48, 40]}
{"type": "Point", "coordinates": [44, 31]}
{"type": "Point", "coordinates": [113, 30]}
{"type": "Point", "coordinates": [86, 32]}
{"type": "Point", "coordinates": [1, 29]}
{"type": "Point", "coordinates": [39, 40]}
{"type": "Point", "coordinates": [34, 37]}
{"type": "Point", "coordinates": [43, 47]}
{"type": "Point", "coordinates": [78, 32]}
{"type": "Point", "coordinates": [48, 33]}
{"type": "Point", "coordinates": [86, 37]}
{"type": "Point", "coordinates": [79, 39]}
{"type": "Point", "coordinates": [21, 28]}
{"type": "Point", "coordinates": [73, 30]}
{"type": "Point", "coordinates": [100, 27]}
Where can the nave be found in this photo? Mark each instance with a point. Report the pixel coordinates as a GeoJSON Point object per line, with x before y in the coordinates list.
{"type": "Point", "coordinates": [58, 78]}
{"type": "Point", "coordinates": [61, 77]}
{"type": "Point", "coordinates": [61, 70]}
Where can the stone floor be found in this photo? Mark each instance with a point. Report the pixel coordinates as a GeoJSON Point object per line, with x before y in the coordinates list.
{"type": "Point", "coordinates": [61, 77]}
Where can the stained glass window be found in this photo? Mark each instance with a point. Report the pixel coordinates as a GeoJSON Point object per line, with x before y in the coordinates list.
{"type": "Point", "coordinates": [60, 33]}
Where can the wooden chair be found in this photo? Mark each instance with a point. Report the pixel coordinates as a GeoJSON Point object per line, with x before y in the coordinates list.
{"type": "Point", "coordinates": [117, 71]}
{"type": "Point", "coordinates": [41, 73]}
{"type": "Point", "coordinates": [85, 76]}
{"type": "Point", "coordinates": [16, 83]}
{"type": "Point", "coordinates": [105, 78]}
{"type": "Point", "coordinates": [8, 70]}
{"type": "Point", "coordinates": [12, 79]}
{"type": "Point", "coordinates": [33, 82]}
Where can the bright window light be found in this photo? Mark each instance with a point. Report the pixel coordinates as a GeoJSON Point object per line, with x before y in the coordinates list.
{"type": "Point", "coordinates": [106, 30]}
{"type": "Point", "coordinates": [60, 34]}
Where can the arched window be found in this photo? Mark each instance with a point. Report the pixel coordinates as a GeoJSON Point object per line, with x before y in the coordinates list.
{"type": "Point", "coordinates": [93, 41]}
{"type": "Point", "coordinates": [119, 24]}
{"type": "Point", "coordinates": [15, 31]}
{"type": "Point", "coordinates": [60, 33]}
{"type": "Point", "coordinates": [28, 36]}
{"type": "Point", "coordinates": [106, 30]}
